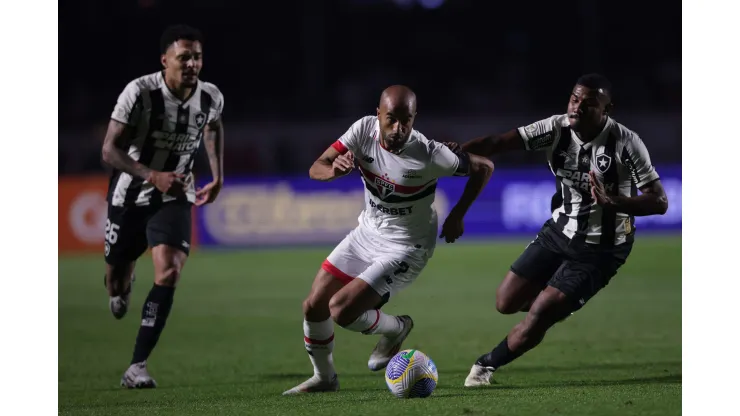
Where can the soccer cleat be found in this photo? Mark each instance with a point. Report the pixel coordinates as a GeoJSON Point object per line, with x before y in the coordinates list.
{"type": "Point", "coordinates": [137, 377]}
{"type": "Point", "coordinates": [314, 384]}
{"type": "Point", "coordinates": [119, 304]}
{"type": "Point", "coordinates": [387, 347]}
{"type": "Point", "coordinates": [479, 376]}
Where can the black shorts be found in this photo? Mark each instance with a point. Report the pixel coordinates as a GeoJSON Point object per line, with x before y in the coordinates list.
{"type": "Point", "coordinates": [130, 230]}
{"type": "Point", "coordinates": [579, 270]}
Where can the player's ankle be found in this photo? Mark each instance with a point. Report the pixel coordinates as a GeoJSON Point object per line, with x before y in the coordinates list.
{"type": "Point", "coordinates": [325, 376]}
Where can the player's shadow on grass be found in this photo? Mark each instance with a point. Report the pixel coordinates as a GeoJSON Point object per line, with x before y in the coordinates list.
{"type": "Point", "coordinates": [668, 379]}
{"type": "Point", "coordinates": [672, 368]}
{"type": "Point", "coordinates": [637, 367]}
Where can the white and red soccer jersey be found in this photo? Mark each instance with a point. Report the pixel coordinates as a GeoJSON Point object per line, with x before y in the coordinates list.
{"type": "Point", "coordinates": [399, 187]}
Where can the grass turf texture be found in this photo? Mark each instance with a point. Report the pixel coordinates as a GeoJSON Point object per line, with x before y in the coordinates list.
{"type": "Point", "coordinates": [233, 342]}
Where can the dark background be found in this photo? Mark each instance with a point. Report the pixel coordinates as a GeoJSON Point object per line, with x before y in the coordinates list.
{"type": "Point", "coordinates": [296, 74]}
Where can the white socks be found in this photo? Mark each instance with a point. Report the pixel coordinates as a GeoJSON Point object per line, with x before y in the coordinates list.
{"type": "Point", "coordinates": [319, 341]}
{"type": "Point", "coordinates": [319, 337]}
{"type": "Point", "coordinates": [376, 322]}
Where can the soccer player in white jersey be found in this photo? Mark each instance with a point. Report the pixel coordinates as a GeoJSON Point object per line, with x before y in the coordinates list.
{"type": "Point", "coordinates": [153, 135]}
{"type": "Point", "coordinates": [396, 234]}
{"type": "Point", "coordinates": [599, 165]}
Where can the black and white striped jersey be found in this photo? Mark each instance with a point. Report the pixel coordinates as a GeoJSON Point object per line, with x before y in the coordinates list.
{"type": "Point", "coordinates": [168, 132]}
{"type": "Point", "coordinates": [617, 156]}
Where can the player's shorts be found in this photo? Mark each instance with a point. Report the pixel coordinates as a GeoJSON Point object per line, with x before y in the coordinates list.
{"type": "Point", "coordinates": [130, 230]}
{"type": "Point", "coordinates": [578, 270]}
{"type": "Point", "coordinates": [387, 267]}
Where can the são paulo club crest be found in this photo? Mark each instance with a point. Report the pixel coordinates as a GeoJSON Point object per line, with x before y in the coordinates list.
{"type": "Point", "coordinates": [603, 162]}
{"type": "Point", "coordinates": [384, 185]}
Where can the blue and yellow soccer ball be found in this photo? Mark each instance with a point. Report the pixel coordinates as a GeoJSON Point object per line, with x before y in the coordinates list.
{"type": "Point", "coordinates": [411, 373]}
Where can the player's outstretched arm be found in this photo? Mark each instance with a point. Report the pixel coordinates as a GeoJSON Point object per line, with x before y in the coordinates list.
{"type": "Point", "coordinates": [116, 135]}
{"type": "Point", "coordinates": [488, 146]}
{"type": "Point", "coordinates": [479, 172]}
{"type": "Point", "coordinates": [331, 165]}
{"type": "Point", "coordinates": [653, 200]}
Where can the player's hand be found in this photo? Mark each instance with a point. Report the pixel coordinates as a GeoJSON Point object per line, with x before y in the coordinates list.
{"type": "Point", "coordinates": [598, 193]}
{"type": "Point", "coordinates": [208, 193]}
{"type": "Point", "coordinates": [343, 164]}
{"type": "Point", "coordinates": [452, 146]}
{"type": "Point", "coordinates": [453, 227]}
{"type": "Point", "coordinates": [169, 183]}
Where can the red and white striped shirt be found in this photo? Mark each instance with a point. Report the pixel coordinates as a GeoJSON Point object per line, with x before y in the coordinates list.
{"type": "Point", "coordinates": [399, 187]}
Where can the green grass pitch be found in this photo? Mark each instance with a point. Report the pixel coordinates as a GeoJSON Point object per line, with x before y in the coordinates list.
{"type": "Point", "coordinates": [234, 340]}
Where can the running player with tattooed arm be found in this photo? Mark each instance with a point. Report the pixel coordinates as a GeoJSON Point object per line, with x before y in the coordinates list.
{"type": "Point", "coordinates": [396, 235]}
{"type": "Point", "coordinates": [599, 165]}
{"type": "Point", "coordinates": [154, 132]}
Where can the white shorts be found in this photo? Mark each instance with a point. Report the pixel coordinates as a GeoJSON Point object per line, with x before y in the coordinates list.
{"type": "Point", "coordinates": [387, 267]}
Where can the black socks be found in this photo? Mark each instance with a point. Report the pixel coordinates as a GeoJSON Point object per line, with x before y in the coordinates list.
{"type": "Point", "coordinates": [499, 356]}
{"type": "Point", "coordinates": [153, 318]}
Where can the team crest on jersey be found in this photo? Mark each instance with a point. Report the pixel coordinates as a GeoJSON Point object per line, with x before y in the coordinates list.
{"type": "Point", "coordinates": [384, 185]}
{"type": "Point", "coordinates": [603, 162]}
{"type": "Point", "coordinates": [200, 120]}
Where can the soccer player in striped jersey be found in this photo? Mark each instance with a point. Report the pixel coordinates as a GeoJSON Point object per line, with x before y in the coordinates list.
{"type": "Point", "coordinates": [599, 165]}
{"type": "Point", "coordinates": [396, 234]}
{"type": "Point", "coordinates": [154, 133]}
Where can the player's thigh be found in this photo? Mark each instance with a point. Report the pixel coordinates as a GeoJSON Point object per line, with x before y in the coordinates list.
{"type": "Point", "coordinates": [389, 273]}
{"type": "Point", "coordinates": [324, 286]}
{"type": "Point", "coordinates": [347, 261]}
{"type": "Point", "coordinates": [392, 273]}
{"type": "Point", "coordinates": [171, 225]}
{"type": "Point", "coordinates": [581, 278]}
{"type": "Point", "coordinates": [168, 232]}
{"type": "Point", "coordinates": [125, 238]}
{"type": "Point", "coordinates": [349, 258]}
{"type": "Point", "coordinates": [529, 274]}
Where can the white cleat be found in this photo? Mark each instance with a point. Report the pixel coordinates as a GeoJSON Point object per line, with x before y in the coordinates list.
{"type": "Point", "coordinates": [119, 304]}
{"type": "Point", "coordinates": [479, 376]}
{"type": "Point", "coordinates": [314, 384]}
{"type": "Point", "coordinates": [137, 377]}
{"type": "Point", "coordinates": [387, 347]}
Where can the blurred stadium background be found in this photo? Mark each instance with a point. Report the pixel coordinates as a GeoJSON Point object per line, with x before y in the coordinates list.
{"type": "Point", "coordinates": [295, 75]}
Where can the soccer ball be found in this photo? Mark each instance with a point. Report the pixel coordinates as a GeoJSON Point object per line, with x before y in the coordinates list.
{"type": "Point", "coordinates": [411, 373]}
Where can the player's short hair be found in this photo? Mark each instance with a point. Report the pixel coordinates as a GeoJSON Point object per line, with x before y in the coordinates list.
{"type": "Point", "coordinates": [178, 32]}
{"type": "Point", "coordinates": [596, 82]}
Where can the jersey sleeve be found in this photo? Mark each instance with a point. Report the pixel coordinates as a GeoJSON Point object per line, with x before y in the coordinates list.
{"type": "Point", "coordinates": [350, 140]}
{"type": "Point", "coordinates": [217, 108]}
{"type": "Point", "coordinates": [637, 159]}
{"type": "Point", "coordinates": [128, 106]}
{"type": "Point", "coordinates": [540, 135]}
{"type": "Point", "coordinates": [445, 162]}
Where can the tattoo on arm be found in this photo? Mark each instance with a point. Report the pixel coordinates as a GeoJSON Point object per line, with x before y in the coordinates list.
{"type": "Point", "coordinates": [213, 138]}
{"type": "Point", "coordinates": [117, 134]}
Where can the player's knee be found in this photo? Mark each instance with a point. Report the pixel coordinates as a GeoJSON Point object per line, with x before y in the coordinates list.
{"type": "Point", "coordinates": [340, 312]}
{"type": "Point", "coordinates": [505, 305]}
{"type": "Point", "coordinates": [168, 277]}
{"type": "Point", "coordinates": [314, 309]}
{"type": "Point", "coordinates": [550, 307]}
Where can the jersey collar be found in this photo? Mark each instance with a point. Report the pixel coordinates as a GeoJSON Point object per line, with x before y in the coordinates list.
{"type": "Point", "coordinates": [172, 96]}
{"type": "Point", "coordinates": [599, 140]}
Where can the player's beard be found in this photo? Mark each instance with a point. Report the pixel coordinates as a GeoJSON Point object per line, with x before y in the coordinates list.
{"type": "Point", "coordinates": [189, 79]}
{"type": "Point", "coordinates": [395, 143]}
